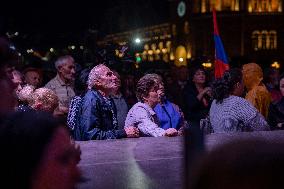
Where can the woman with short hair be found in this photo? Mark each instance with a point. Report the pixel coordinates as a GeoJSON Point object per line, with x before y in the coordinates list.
{"type": "Point", "coordinates": [142, 115]}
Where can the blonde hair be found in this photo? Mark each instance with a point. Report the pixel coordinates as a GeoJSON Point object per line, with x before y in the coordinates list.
{"type": "Point", "coordinates": [25, 95]}
{"type": "Point", "coordinates": [47, 98]}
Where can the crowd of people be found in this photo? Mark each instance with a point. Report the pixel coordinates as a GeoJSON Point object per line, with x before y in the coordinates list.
{"type": "Point", "coordinates": [99, 103]}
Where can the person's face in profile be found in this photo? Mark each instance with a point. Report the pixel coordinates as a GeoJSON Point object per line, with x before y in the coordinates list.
{"type": "Point", "coordinates": [107, 78]}
{"type": "Point", "coordinates": [33, 78]}
{"type": "Point", "coordinates": [239, 89]}
{"type": "Point", "coordinates": [153, 97]}
{"type": "Point", "coordinates": [58, 167]}
{"type": "Point", "coordinates": [161, 91]}
{"type": "Point", "coordinates": [7, 94]}
{"type": "Point", "coordinates": [67, 70]}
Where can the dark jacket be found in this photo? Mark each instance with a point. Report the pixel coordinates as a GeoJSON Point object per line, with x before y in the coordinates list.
{"type": "Point", "coordinates": [194, 108]}
{"type": "Point", "coordinates": [98, 119]}
{"type": "Point", "coordinates": [275, 117]}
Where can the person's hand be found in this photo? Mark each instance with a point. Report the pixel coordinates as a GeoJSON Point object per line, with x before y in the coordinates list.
{"type": "Point", "coordinates": [63, 109]}
{"type": "Point", "coordinates": [280, 125]}
{"type": "Point", "coordinates": [132, 132]}
{"type": "Point", "coordinates": [181, 131]}
{"type": "Point", "coordinates": [171, 132]}
{"type": "Point", "coordinates": [206, 90]}
{"type": "Point", "coordinates": [60, 111]}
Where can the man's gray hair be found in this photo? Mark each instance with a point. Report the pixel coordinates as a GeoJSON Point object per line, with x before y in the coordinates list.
{"type": "Point", "coordinates": [62, 60]}
{"type": "Point", "coordinates": [94, 75]}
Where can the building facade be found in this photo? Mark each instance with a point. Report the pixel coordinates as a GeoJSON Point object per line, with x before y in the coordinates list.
{"type": "Point", "coordinates": [251, 30]}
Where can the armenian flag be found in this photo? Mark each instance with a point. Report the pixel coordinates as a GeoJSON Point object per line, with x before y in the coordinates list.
{"type": "Point", "coordinates": [221, 60]}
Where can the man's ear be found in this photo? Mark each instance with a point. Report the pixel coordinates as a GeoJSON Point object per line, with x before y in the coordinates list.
{"type": "Point", "coordinates": [97, 83]}
{"type": "Point", "coordinates": [59, 69]}
{"type": "Point", "coordinates": [143, 98]}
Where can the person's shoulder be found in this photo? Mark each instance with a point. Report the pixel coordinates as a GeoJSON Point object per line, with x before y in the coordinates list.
{"type": "Point", "coordinates": [236, 100]}
{"type": "Point", "coordinates": [138, 107]}
{"type": "Point", "coordinates": [51, 83]}
{"type": "Point", "coordinates": [91, 95]}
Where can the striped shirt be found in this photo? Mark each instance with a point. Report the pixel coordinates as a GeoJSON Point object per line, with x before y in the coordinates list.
{"type": "Point", "coordinates": [64, 92]}
{"type": "Point", "coordinates": [236, 114]}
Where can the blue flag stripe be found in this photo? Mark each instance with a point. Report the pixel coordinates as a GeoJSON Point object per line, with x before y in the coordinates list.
{"type": "Point", "coordinates": [220, 52]}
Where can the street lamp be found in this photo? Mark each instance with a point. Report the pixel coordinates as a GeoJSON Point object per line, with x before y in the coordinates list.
{"type": "Point", "coordinates": [137, 40]}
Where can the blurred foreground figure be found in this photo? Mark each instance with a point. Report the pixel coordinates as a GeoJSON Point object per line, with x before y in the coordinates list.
{"type": "Point", "coordinates": [37, 153]}
{"type": "Point", "coordinates": [7, 59]}
{"type": "Point", "coordinates": [243, 164]}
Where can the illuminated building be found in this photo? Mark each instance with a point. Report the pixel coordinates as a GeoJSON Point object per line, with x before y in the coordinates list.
{"type": "Point", "coordinates": [250, 29]}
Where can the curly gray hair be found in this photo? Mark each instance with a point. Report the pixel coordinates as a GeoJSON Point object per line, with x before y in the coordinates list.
{"type": "Point", "coordinates": [94, 75]}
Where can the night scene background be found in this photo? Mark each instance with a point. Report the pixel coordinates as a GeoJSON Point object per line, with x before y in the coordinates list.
{"type": "Point", "coordinates": [156, 34]}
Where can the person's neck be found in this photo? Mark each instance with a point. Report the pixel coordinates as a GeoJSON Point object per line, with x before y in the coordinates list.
{"type": "Point", "coordinates": [151, 105]}
{"type": "Point", "coordinates": [104, 93]}
{"type": "Point", "coordinates": [199, 85]}
{"type": "Point", "coordinates": [66, 81]}
{"type": "Point", "coordinates": [116, 93]}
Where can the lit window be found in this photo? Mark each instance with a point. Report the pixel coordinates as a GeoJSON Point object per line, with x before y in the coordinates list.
{"type": "Point", "coordinates": [265, 6]}
{"type": "Point", "coordinates": [219, 5]}
{"type": "Point", "coordinates": [262, 40]}
{"type": "Point", "coordinates": [254, 38]}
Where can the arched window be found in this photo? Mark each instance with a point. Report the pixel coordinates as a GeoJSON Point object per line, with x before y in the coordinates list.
{"type": "Point", "coordinates": [273, 39]}
{"type": "Point", "coordinates": [254, 38]}
{"type": "Point", "coordinates": [161, 45]}
{"type": "Point", "coordinates": [203, 6]}
{"type": "Point", "coordinates": [168, 46]}
{"type": "Point", "coordinates": [264, 39]}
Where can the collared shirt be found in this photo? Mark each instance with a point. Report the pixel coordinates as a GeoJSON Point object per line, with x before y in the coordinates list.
{"type": "Point", "coordinates": [64, 92]}
{"type": "Point", "coordinates": [145, 119]}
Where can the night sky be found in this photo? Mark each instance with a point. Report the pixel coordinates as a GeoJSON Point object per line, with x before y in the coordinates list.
{"type": "Point", "coordinates": [62, 16]}
{"type": "Point", "coordinates": [56, 23]}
